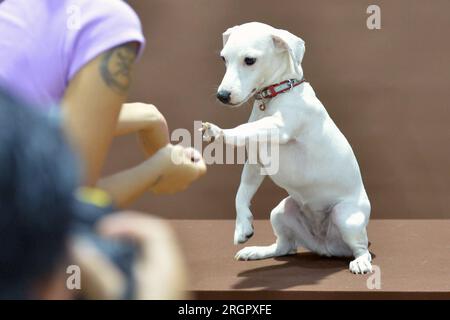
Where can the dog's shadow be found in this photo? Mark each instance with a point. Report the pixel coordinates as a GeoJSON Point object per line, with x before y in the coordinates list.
{"type": "Point", "coordinates": [304, 268]}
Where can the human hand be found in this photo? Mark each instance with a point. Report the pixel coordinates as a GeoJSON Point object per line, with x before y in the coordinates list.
{"type": "Point", "coordinates": [100, 278]}
{"type": "Point", "coordinates": [182, 166]}
{"type": "Point", "coordinates": [160, 271]}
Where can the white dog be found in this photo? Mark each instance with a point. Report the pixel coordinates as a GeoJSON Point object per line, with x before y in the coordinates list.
{"type": "Point", "coordinates": [327, 209]}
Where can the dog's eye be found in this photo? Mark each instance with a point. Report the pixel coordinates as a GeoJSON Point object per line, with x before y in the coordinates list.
{"type": "Point", "coordinates": [249, 61]}
{"type": "Point", "coordinates": [223, 58]}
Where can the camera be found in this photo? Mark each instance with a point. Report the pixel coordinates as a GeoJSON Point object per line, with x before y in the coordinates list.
{"type": "Point", "coordinates": [91, 206]}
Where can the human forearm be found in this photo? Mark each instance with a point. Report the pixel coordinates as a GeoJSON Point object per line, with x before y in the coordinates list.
{"type": "Point", "coordinates": [170, 170]}
{"type": "Point", "coordinates": [127, 185]}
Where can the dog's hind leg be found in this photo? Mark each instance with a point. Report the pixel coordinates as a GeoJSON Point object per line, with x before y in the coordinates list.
{"type": "Point", "coordinates": [286, 226]}
{"type": "Point", "coordinates": [351, 221]}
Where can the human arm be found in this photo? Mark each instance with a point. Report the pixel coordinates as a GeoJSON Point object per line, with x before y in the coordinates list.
{"type": "Point", "coordinates": [92, 109]}
{"type": "Point", "coordinates": [92, 104]}
{"type": "Point", "coordinates": [147, 122]}
{"type": "Point", "coordinates": [171, 169]}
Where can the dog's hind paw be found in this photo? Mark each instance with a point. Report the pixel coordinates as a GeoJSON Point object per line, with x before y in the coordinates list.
{"type": "Point", "coordinates": [362, 264]}
{"type": "Point", "coordinates": [257, 253]}
{"type": "Point", "coordinates": [250, 253]}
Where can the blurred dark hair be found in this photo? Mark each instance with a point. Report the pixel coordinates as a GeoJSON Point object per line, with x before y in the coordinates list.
{"type": "Point", "coordinates": [38, 177]}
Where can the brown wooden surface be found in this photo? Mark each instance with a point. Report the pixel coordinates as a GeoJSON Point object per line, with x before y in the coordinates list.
{"type": "Point", "coordinates": [387, 90]}
{"type": "Point", "coordinates": [413, 257]}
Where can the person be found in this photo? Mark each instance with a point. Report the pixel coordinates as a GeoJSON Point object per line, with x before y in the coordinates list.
{"type": "Point", "coordinates": [79, 54]}
{"type": "Point", "coordinates": [38, 213]}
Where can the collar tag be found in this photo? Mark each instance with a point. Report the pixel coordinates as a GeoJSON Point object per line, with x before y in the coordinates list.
{"type": "Point", "coordinates": [262, 106]}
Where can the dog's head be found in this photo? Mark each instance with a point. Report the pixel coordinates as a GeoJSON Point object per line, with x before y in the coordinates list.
{"type": "Point", "coordinates": [257, 55]}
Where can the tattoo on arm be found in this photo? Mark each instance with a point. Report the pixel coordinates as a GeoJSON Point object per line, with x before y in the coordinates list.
{"type": "Point", "coordinates": [115, 67]}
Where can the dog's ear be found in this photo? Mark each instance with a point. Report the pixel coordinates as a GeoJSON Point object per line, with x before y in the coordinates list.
{"type": "Point", "coordinates": [295, 46]}
{"type": "Point", "coordinates": [226, 35]}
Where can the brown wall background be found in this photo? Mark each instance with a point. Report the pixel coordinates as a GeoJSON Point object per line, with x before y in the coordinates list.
{"type": "Point", "coordinates": [387, 90]}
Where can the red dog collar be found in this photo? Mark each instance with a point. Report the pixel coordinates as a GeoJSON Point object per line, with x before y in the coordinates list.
{"type": "Point", "coordinates": [275, 89]}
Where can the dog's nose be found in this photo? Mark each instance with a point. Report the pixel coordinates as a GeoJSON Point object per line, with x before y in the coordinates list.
{"type": "Point", "coordinates": [224, 96]}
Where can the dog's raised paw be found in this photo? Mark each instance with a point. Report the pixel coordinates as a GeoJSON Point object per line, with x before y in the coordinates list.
{"type": "Point", "coordinates": [362, 264]}
{"type": "Point", "coordinates": [210, 132]}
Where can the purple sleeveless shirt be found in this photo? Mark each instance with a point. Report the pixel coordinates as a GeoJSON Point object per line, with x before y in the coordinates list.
{"type": "Point", "coordinates": [43, 44]}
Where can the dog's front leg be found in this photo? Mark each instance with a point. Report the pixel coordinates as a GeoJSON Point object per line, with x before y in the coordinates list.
{"type": "Point", "coordinates": [270, 129]}
{"type": "Point", "coordinates": [251, 179]}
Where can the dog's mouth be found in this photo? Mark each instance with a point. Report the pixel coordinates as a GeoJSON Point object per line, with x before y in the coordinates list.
{"type": "Point", "coordinates": [238, 104]}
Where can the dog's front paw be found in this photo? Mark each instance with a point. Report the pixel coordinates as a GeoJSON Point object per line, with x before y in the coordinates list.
{"type": "Point", "coordinates": [362, 264]}
{"type": "Point", "coordinates": [243, 231]}
{"type": "Point", "coordinates": [211, 132]}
